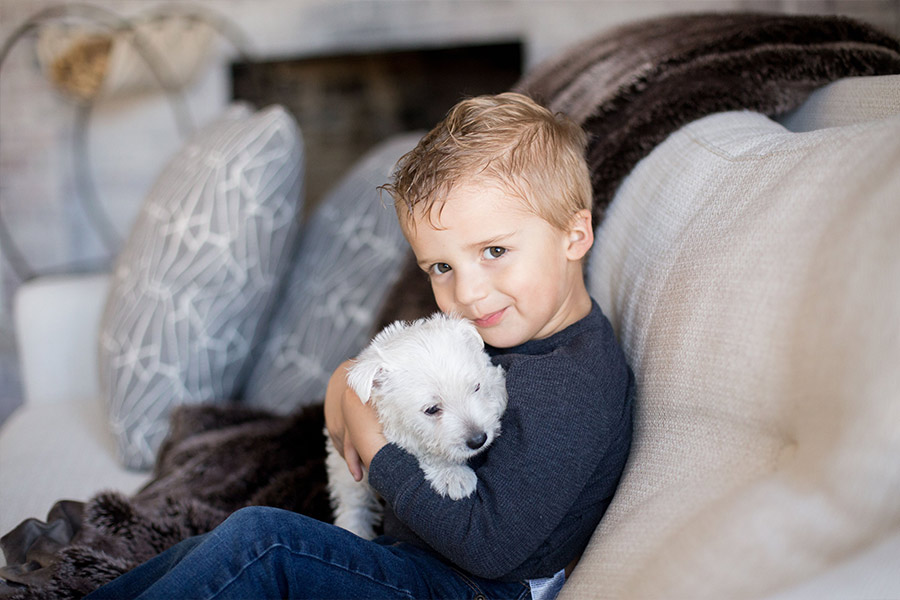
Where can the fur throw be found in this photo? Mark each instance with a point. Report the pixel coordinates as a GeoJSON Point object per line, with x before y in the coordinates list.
{"type": "Point", "coordinates": [629, 88]}
{"type": "Point", "coordinates": [633, 86]}
{"type": "Point", "coordinates": [216, 460]}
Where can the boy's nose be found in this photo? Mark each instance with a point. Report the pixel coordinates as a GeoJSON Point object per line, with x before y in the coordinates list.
{"type": "Point", "coordinates": [470, 288]}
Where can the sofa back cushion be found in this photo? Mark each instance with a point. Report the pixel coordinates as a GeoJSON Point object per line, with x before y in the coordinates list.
{"type": "Point", "coordinates": [193, 288]}
{"type": "Point", "coordinates": [753, 276]}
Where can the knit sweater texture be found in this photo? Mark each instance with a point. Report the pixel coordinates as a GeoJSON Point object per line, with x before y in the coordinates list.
{"type": "Point", "coordinates": [546, 481]}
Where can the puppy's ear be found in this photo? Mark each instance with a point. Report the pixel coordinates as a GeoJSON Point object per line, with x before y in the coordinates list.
{"type": "Point", "coordinates": [455, 319]}
{"type": "Point", "coordinates": [363, 375]}
{"type": "Point", "coordinates": [368, 369]}
{"type": "Point", "coordinates": [473, 334]}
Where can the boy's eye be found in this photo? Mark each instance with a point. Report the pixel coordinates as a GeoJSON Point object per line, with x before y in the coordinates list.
{"type": "Point", "coordinates": [494, 252]}
{"type": "Point", "coordinates": [440, 268]}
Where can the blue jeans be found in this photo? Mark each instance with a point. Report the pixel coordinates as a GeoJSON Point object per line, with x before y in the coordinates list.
{"type": "Point", "coordinates": [261, 552]}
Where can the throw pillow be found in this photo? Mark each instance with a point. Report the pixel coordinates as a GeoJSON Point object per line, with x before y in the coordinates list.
{"type": "Point", "coordinates": [194, 285]}
{"type": "Point", "coordinates": [753, 274]}
{"type": "Point", "coordinates": [350, 254]}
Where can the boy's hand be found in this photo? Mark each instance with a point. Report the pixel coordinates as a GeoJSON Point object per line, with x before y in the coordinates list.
{"type": "Point", "coordinates": [362, 428]}
{"type": "Point", "coordinates": [334, 418]}
{"type": "Point", "coordinates": [352, 425]}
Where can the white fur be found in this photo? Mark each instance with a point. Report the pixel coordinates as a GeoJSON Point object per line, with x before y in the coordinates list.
{"type": "Point", "coordinates": [408, 371]}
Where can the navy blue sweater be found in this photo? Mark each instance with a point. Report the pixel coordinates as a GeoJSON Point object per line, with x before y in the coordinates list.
{"type": "Point", "coordinates": [546, 480]}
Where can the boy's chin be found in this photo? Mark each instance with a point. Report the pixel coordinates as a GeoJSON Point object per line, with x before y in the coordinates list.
{"type": "Point", "coordinates": [499, 338]}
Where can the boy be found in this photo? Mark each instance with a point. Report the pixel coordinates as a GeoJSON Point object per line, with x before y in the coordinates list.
{"type": "Point", "coordinates": [495, 202]}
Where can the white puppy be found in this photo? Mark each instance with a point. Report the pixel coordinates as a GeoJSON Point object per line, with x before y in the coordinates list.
{"type": "Point", "coordinates": [437, 395]}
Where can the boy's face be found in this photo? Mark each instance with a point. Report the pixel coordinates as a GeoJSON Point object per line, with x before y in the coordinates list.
{"type": "Point", "coordinates": [510, 272]}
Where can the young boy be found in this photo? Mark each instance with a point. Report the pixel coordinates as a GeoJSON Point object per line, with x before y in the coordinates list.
{"type": "Point", "coordinates": [495, 202]}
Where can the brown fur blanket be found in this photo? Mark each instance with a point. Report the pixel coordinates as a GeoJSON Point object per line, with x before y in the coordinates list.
{"type": "Point", "coordinates": [629, 88]}
{"type": "Point", "coordinates": [216, 459]}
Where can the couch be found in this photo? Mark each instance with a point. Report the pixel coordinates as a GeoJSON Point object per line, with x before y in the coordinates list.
{"type": "Point", "coordinates": [750, 267]}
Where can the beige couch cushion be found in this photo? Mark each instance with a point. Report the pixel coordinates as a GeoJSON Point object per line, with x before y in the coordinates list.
{"type": "Point", "coordinates": [847, 102]}
{"type": "Point", "coordinates": [753, 275]}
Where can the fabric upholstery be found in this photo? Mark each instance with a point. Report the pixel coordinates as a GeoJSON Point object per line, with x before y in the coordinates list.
{"type": "Point", "coordinates": [752, 275]}
{"type": "Point", "coordinates": [55, 451]}
{"type": "Point", "coordinates": [55, 368]}
{"type": "Point", "coordinates": [870, 573]}
{"type": "Point", "coordinates": [349, 257]}
{"type": "Point", "coordinates": [194, 286]}
{"type": "Point", "coordinates": [846, 102]}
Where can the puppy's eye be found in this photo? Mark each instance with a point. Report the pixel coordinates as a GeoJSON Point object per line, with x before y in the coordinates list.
{"type": "Point", "coordinates": [432, 411]}
{"type": "Point", "coordinates": [477, 387]}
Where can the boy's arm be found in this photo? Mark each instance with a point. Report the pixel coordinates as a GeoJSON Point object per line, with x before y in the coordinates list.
{"type": "Point", "coordinates": [532, 479]}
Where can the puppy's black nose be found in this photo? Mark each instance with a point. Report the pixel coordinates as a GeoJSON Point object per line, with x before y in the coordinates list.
{"type": "Point", "coordinates": [477, 440]}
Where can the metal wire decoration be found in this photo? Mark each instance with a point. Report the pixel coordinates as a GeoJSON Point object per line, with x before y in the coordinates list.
{"type": "Point", "coordinates": [89, 52]}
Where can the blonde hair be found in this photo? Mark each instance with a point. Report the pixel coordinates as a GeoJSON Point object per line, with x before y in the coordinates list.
{"type": "Point", "coordinates": [507, 138]}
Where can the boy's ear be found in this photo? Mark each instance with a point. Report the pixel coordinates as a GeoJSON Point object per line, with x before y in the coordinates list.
{"type": "Point", "coordinates": [580, 235]}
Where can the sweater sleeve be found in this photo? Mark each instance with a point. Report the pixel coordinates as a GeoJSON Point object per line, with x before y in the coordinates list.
{"type": "Point", "coordinates": [558, 434]}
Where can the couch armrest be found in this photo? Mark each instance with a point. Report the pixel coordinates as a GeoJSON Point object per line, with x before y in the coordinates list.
{"type": "Point", "coordinates": [57, 321]}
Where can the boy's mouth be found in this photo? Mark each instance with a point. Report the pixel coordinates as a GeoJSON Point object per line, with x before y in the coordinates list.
{"type": "Point", "coordinates": [489, 319]}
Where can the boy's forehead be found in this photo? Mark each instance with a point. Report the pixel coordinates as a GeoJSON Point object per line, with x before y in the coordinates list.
{"type": "Point", "coordinates": [471, 203]}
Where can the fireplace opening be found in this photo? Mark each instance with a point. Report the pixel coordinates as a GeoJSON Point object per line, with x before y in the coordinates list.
{"type": "Point", "coordinates": [345, 104]}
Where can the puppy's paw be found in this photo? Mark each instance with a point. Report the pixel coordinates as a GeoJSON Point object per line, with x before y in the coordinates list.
{"type": "Point", "coordinates": [457, 481]}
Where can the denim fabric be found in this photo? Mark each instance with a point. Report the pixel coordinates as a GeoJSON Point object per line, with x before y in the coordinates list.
{"type": "Point", "coordinates": [263, 552]}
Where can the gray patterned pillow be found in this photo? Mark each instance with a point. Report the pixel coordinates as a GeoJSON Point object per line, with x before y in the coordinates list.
{"type": "Point", "coordinates": [195, 283]}
{"type": "Point", "coordinates": [350, 254]}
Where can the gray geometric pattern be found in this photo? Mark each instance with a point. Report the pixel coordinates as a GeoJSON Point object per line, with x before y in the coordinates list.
{"type": "Point", "coordinates": [350, 254]}
{"type": "Point", "coordinates": [195, 284]}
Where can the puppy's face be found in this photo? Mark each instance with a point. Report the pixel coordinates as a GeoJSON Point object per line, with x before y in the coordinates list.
{"type": "Point", "coordinates": [434, 388]}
